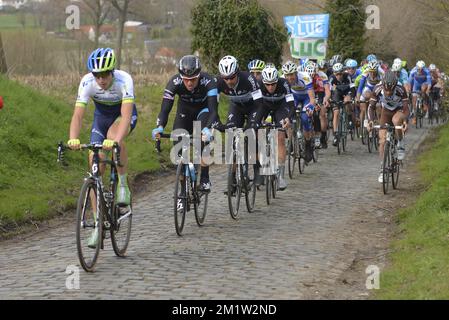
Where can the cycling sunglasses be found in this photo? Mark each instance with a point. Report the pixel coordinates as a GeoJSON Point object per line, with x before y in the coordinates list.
{"type": "Point", "coordinates": [103, 74]}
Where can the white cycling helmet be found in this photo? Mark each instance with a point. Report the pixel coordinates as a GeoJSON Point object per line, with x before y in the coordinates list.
{"type": "Point", "coordinates": [432, 67]}
{"type": "Point", "coordinates": [397, 61]}
{"type": "Point", "coordinates": [228, 66]}
{"type": "Point", "coordinates": [289, 67]}
{"type": "Point", "coordinates": [396, 66]}
{"type": "Point", "coordinates": [270, 74]}
{"type": "Point", "coordinates": [337, 68]}
{"type": "Point", "coordinates": [310, 69]}
{"type": "Point", "coordinates": [373, 65]}
{"type": "Point", "coordinates": [420, 64]}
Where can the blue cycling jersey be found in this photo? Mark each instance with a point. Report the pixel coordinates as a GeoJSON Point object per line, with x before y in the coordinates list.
{"type": "Point", "coordinates": [420, 77]}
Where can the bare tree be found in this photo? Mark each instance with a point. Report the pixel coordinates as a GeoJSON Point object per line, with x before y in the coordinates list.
{"type": "Point", "coordinates": [122, 8]}
{"type": "Point", "coordinates": [99, 11]}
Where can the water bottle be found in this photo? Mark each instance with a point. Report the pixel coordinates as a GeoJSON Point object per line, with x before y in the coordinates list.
{"type": "Point", "coordinates": [365, 123]}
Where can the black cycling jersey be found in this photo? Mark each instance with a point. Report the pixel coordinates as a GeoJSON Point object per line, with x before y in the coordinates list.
{"type": "Point", "coordinates": [204, 96]}
{"type": "Point", "coordinates": [345, 84]}
{"type": "Point", "coordinates": [244, 98]}
{"type": "Point", "coordinates": [245, 92]}
{"type": "Point", "coordinates": [281, 102]}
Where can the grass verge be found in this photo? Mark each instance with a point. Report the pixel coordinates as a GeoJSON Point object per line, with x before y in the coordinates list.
{"type": "Point", "coordinates": [419, 260]}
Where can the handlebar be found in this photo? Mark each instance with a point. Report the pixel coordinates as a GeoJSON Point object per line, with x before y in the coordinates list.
{"type": "Point", "coordinates": [93, 147]}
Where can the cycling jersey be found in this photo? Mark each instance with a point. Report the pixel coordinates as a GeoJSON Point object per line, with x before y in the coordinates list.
{"type": "Point", "coordinates": [403, 77]}
{"type": "Point", "coordinates": [107, 102]}
{"type": "Point", "coordinates": [191, 104]}
{"type": "Point", "coordinates": [280, 102]}
{"type": "Point", "coordinates": [244, 98]}
{"type": "Point", "coordinates": [367, 81]}
{"type": "Point", "coordinates": [320, 80]}
{"type": "Point", "coordinates": [356, 74]}
{"type": "Point", "coordinates": [417, 80]}
{"type": "Point", "coordinates": [393, 102]}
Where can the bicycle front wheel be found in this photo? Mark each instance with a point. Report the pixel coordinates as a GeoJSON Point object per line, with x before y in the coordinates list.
{"type": "Point", "coordinates": [395, 168]}
{"type": "Point", "coordinates": [87, 219]}
{"type": "Point", "coordinates": [386, 168]}
{"type": "Point", "coordinates": [250, 186]}
{"type": "Point", "coordinates": [180, 198]}
{"type": "Point", "coordinates": [234, 190]}
{"type": "Point", "coordinates": [268, 188]}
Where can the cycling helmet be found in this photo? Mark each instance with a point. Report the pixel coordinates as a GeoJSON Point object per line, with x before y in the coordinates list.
{"type": "Point", "coordinates": [351, 63]}
{"type": "Point", "coordinates": [256, 65]}
{"type": "Point", "coordinates": [228, 66]}
{"type": "Point", "coordinates": [270, 74]}
{"type": "Point", "coordinates": [189, 66]}
{"type": "Point", "coordinates": [337, 68]}
{"type": "Point", "coordinates": [432, 67]}
{"type": "Point", "coordinates": [289, 67]}
{"type": "Point", "coordinates": [337, 59]}
{"type": "Point", "coordinates": [301, 68]}
{"type": "Point", "coordinates": [390, 80]}
{"type": "Point", "coordinates": [371, 57]}
{"type": "Point", "coordinates": [398, 61]}
{"type": "Point", "coordinates": [373, 65]}
{"type": "Point", "coordinates": [420, 64]}
{"type": "Point", "coordinates": [396, 67]}
{"type": "Point", "coordinates": [322, 64]}
{"type": "Point", "coordinates": [310, 69]}
{"type": "Point", "coordinates": [101, 60]}
{"type": "Point", "coordinates": [404, 64]}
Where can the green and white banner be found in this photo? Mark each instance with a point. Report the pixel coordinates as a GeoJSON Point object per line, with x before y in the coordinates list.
{"type": "Point", "coordinates": [301, 48]}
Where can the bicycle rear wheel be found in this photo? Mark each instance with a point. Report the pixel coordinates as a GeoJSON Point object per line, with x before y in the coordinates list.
{"type": "Point", "coordinates": [386, 168]}
{"type": "Point", "coordinates": [181, 198]}
{"type": "Point", "coordinates": [200, 206]}
{"type": "Point", "coordinates": [86, 220]}
{"type": "Point", "coordinates": [234, 190]}
{"type": "Point", "coordinates": [121, 229]}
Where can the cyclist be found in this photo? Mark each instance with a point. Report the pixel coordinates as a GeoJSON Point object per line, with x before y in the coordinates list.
{"type": "Point", "coordinates": [394, 102]}
{"type": "Point", "coordinates": [420, 81]}
{"type": "Point", "coordinates": [370, 78]}
{"type": "Point", "coordinates": [112, 92]}
{"type": "Point", "coordinates": [197, 101]}
{"type": "Point", "coordinates": [255, 67]}
{"type": "Point", "coordinates": [322, 90]}
{"type": "Point", "coordinates": [301, 85]}
{"type": "Point", "coordinates": [244, 94]}
{"type": "Point", "coordinates": [278, 101]}
{"type": "Point", "coordinates": [343, 89]}
{"type": "Point", "coordinates": [437, 86]}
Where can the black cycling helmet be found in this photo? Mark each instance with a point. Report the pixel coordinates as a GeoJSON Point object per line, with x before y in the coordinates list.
{"type": "Point", "coordinates": [189, 66]}
{"type": "Point", "coordinates": [390, 80]}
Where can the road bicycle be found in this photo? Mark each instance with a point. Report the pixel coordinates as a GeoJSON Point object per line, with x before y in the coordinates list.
{"type": "Point", "coordinates": [97, 208]}
{"type": "Point", "coordinates": [186, 192]}
{"type": "Point", "coordinates": [241, 179]}
{"type": "Point", "coordinates": [390, 165]}
{"type": "Point", "coordinates": [296, 147]}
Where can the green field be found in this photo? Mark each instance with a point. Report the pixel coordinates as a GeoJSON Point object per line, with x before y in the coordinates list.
{"type": "Point", "coordinates": [419, 266]}
{"type": "Point", "coordinates": [14, 21]}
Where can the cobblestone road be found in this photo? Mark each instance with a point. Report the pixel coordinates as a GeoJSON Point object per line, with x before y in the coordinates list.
{"type": "Point", "coordinates": [296, 248]}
